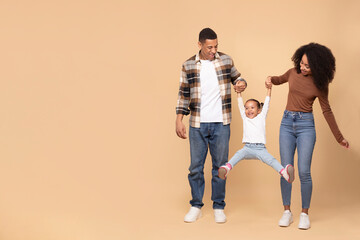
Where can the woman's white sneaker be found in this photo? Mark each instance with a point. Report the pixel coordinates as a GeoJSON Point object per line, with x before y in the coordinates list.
{"type": "Point", "coordinates": [304, 222]}
{"type": "Point", "coordinates": [193, 215]}
{"type": "Point", "coordinates": [286, 219]}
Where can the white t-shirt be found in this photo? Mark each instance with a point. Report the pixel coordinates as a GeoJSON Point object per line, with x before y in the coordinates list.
{"type": "Point", "coordinates": [254, 129]}
{"type": "Point", "coordinates": [211, 105]}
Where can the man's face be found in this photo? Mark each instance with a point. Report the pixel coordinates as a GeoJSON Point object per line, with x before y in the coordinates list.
{"type": "Point", "coordinates": [208, 49]}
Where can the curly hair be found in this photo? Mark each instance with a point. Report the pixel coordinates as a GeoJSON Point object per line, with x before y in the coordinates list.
{"type": "Point", "coordinates": [321, 62]}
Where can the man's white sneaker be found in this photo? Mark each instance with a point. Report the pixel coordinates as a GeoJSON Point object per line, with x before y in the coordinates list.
{"type": "Point", "coordinates": [286, 219]}
{"type": "Point", "coordinates": [220, 216]}
{"type": "Point", "coordinates": [224, 170]}
{"type": "Point", "coordinates": [193, 215]}
{"type": "Point", "coordinates": [288, 173]}
{"type": "Point", "coordinates": [304, 222]}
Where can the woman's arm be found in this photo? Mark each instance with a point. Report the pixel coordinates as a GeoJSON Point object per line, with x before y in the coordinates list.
{"type": "Point", "coordinates": [330, 118]}
{"type": "Point", "coordinates": [277, 80]}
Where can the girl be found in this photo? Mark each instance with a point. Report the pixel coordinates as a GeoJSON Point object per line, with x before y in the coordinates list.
{"type": "Point", "coordinates": [314, 70]}
{"type": "Point", "coordinates": [254, 138]}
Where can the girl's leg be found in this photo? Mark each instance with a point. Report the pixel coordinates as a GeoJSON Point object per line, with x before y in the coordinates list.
{"type": "Point", "coordinates": [286, 172]}
{"type": "Point", "coordinates": [268, 159]}
{"type": "Point", "coordinates": [238, 156]}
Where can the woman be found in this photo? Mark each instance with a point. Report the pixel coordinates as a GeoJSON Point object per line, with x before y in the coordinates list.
{"type": "Point", "coordinates": [309, 79]}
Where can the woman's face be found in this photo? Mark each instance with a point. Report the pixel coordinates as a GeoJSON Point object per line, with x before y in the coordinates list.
{"type": "Point", "coordinates": [304, 66]}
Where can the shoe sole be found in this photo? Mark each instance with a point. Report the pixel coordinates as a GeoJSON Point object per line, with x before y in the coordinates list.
{"type": "Point", "coordinates": [290, 172]}
{"type": "Point", "coordinates": [220, 222]}
{"type": "Point", "coordinates": [286, 225]}
{"type": "Point", "coordinates": [200, 215]}
{"type": "Point", "coordinates": [302, 228]}
{"type": "Point", "coordinates": [222, 173]}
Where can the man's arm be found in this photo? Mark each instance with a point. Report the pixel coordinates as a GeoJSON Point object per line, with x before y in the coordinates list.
{"type": "Point", "coordinates": [239, 83]}
{"type": "Point", "coordinates": [183, 102]}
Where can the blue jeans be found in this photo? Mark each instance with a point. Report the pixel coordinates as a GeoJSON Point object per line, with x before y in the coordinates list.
{"type": "Point", "coordinates": [297, 130]}
{"type": "Point", "coordinates": [215, 137]}
{"type": "Point", "coordinates": [256, 151]}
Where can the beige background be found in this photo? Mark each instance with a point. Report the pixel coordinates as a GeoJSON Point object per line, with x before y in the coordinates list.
{"type": "Point", "coordinates": [88, 91]}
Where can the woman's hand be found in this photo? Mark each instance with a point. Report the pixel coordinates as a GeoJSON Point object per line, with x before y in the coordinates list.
{"type": "Point", "coordinates": [268, 83]}
{"type": "Point", "coordinates": [345, 144]}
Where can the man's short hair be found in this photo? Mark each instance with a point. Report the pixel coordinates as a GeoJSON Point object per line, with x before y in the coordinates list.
{"type": "Point", "coordinates": [207, 33]}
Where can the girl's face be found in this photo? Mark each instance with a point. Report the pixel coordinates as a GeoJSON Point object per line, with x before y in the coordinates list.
{"type": "Point", "coordinates": [304, 66]}
{"type": "Point", "coordinates": [251, 109]}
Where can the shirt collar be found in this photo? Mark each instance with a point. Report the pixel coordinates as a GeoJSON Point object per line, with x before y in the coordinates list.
{"type": "Point", "coordinates": [197, 58]}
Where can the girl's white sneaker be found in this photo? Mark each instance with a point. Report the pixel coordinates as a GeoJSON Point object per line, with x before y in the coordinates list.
{"type": "Point", "coordinates": [288, 173]}
{"type": "Point", "coordinates": [224, 170]}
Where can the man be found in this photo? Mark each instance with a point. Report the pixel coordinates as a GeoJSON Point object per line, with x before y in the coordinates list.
{"type": "Point", "coordinates": [205, 94]}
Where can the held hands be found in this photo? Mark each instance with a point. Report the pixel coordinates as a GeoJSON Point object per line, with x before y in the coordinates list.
{"type": "Point", "coordinates": [345, 144]}
{"type": "Point", "coordinates": [239, 86]}
{"type": "Point", "coordinates": [268, 83]}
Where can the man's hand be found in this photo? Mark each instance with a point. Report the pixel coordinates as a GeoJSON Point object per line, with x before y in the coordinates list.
{"type": "Point", "coordinates": [180, 130]}
{"type": "Point", "coordinates": [239, 86]}
{"type": "Point", "coordinates": [180, 127]}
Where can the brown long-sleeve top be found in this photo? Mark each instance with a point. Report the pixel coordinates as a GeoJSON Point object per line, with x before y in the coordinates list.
{"type": "Point", "coordinates": [302, 94]}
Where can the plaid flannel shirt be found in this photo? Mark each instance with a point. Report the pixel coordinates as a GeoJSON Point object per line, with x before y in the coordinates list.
{"type": "Point", "coordinates": [190, 90]}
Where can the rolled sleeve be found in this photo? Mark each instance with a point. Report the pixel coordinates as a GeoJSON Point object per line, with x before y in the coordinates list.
{"type": "Point", "coordinates": [183, 101]}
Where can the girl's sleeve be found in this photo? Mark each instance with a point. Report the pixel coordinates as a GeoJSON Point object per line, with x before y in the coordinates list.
{"type": "Point", "coordinates": [241, 107]}
{"type": "Point", "coordinates": [277, 80]}
{"type": "Point", "coordinates": [265, 108]}
{"type": "Point", "coordinates": [329, 116]}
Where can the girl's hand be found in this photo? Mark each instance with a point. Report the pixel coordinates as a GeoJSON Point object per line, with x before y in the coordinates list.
{"type": "Point", "coordinates": [268, 83]}
{"type": "Point", "coordinates": [240, 86]}
{"type": "Point", "coordinates": [345, 144]}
